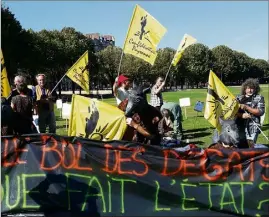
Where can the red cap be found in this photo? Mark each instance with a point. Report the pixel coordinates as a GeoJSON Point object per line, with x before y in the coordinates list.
{"type": "Point", "coordinates": [121, 79]}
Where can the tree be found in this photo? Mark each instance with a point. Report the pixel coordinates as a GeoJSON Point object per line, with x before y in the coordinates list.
{"type": "Point", "coordinates": [108, 61]}
{"type": "Point", "coordinates": [243, 67]}
{"type": "Point", "coordinates": [224, 62]}
{"type": "Point", "coordinates": [162, 63]}
{"type": "Point", "coordinates": [135, 68]}
{"type": "Point", "coordinates": [11, 40]}
{"type": "Point", "coordinates": [33, 61]}
{"type": "Point", "coordinates": [260, 68]}
{"type": "Point", "coordinates": [56, 51]}
{"type": "Point", "coordinates": [197, 62]}
{"type": "Point", "coordinates": [181, 74]}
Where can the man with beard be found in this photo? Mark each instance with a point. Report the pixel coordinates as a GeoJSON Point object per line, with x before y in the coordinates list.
{"type": "Point", "coordinates": [252, 107]}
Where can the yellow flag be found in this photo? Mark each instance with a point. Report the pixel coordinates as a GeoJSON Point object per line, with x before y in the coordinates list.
{"type": "Point", "coordinates": [79, 72]}
{"type": "Point", "coordinates": [96, 120]}
{"type": "Point", "coordinates": [220, 102]}
{"type": "Point", "coordinates": [185, 42]}
{"type": "Point", "coordinates": [144, 35]}
{"type": "Point", "coordinates": [5, 87]}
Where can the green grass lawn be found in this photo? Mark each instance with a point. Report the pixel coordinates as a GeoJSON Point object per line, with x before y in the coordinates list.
{"type": "Point", "coordinates": [196, 128]}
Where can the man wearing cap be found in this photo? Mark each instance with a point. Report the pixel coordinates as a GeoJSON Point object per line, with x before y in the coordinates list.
{"type": "Point", "coordinates": [121, 88]}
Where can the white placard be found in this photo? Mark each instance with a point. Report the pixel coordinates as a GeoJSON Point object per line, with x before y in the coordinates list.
{"type": "Point", "coordinates": [184, 102]}
{"type": "Point", "coordinates": [59, 104]}
{"type": "Point", "coordinates": [66, 111]}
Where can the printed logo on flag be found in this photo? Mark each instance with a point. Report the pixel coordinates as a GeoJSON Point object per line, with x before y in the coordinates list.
{"type": "Point", "coordinates": [96, 120]}
{"type": "Point", "coordinates": [144, 35]}
{"type": "Point", "coordinates": [220, 102]}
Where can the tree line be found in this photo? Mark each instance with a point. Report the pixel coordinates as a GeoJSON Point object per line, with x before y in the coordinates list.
{"type": "Point", "coordinates": [53, 52]}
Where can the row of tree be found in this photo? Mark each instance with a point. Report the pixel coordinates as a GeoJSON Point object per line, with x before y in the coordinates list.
{"type": "Point", "coordinates": [54, 52]}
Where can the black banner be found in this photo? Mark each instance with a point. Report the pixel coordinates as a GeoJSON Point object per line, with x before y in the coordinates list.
{"type": "Point", "coordinates": [67, 176]}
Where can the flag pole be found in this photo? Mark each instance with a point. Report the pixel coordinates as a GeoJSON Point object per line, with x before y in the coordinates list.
{"type": "Point", "coordinates": [58, 83]}
{"type": "Point", "coordinates": [168, 71]}
{"type": "Point", "coordinates": [171, 66]}
{"type": "Point", "coordinates": [120, 62]}
{"type": "Point", "coordinates": [258, 128]}
{"type": "Point", "coordinates": [130, 24]}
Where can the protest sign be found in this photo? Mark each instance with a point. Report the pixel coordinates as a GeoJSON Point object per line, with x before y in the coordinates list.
{"type": "Point", "coordinates": [80, 177]}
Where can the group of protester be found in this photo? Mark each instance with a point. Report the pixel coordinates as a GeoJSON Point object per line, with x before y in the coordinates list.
{"type": "Point", "coordinates": [18, 108]}
{"type": "Point", "coordinates": [248, 120]}
{"type": "Point", "coordinates": [169, 125]}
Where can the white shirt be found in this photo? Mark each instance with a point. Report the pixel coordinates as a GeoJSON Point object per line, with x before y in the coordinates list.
{"type": "Point", "coordinates": [122, 94]}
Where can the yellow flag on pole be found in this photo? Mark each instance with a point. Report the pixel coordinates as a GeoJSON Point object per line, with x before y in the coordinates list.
{"type": "Point", "coordinates": [220, 102]}
{"type": "Point", "coordinates": [95, 119]}
{"type": "Point", "coordinates": [144, 35]}
{"type": "Point", "coordinates": [79, 72]}
{"type": "Point", "coordinates": [185, 42]}
{"type": "Point", "coordinates": [5, 87]}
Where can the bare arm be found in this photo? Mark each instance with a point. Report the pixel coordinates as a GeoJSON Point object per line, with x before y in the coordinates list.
{"type": "Point", "coordinates": [259, 111]}
{"type": "Point", "coordinates": [115, 89]}
{"type": "Point", "coordinates": [139, 128]}
{"type": "Point", "coordinates": [253, 111]}
{"type": "Point", "coordinates": [142, 131]}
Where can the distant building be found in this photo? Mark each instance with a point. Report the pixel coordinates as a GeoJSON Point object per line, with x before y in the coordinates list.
{"type": "Point", "coordinates": [101, 41]}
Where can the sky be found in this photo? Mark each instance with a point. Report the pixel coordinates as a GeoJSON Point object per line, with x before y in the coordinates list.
{"type": "Point", "coordinates": [240, 25]}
